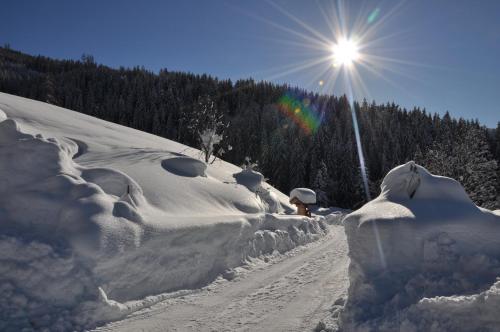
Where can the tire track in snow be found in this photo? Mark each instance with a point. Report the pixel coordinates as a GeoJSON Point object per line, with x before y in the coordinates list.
{"type": "Point", "coordinates": [292, 294]}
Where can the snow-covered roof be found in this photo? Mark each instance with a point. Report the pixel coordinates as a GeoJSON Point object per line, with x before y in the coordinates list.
{"type": "Point", "coordinates": [305, 195]}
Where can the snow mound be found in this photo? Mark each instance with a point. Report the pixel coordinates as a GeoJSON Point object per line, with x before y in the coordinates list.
{"type": "Point", "coordinates": [249, 178]}
{"type": "Point", "coordinates": [9, 130]}
{"type": "Point", "coordinates": [254, 181]}
{"type": "Point", "coordinates": [93, 228]}
{"type": "Point", "coordinates": [421, 244]}
{"type": "Point", "coordinates": [115, 183]}
{"type": "Point", "coordinates": [55, 227]}
{"type": "Point", "coordinates": [332, 215]}
{"type": "Point", "coordinates": [3, 116]}
{"type": "Point", "coordinates": [185, 166]}
{"type": "Point", "coordinates": [305, 195]}
{"type": "Point", "coordinates": [271, 200]}
{"type": "Point", "coordinates": [477, 312]}
{"type": "Point", "coordinates": [45, 193]}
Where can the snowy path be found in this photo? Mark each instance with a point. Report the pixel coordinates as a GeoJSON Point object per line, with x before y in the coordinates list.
{"type": "Point", "coordinates": [291, 294]}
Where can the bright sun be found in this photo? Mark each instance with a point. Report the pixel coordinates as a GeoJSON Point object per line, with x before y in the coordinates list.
{"type": "Point", "coordinates": [344, 52]}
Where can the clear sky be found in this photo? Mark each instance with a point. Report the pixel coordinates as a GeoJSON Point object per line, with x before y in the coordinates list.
{"type": "Point", "coordinates": [441, 55]}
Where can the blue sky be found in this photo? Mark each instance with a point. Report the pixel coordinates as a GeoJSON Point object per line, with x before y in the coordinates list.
{"type": "Point", "coordinates": [444, 54]}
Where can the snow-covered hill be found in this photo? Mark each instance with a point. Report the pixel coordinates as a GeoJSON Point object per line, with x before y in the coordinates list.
{"type": "Point", "coordinates": [94, 215]}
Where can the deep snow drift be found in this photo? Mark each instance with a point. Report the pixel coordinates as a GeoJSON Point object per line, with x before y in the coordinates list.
{"type": "Point", "coordinates": [94, 217]}
{"type": "Point", "coordinates": [423, 258]}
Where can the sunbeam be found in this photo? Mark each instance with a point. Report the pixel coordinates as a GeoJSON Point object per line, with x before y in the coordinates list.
{"type": "Point", "coordinates": [352, 43]}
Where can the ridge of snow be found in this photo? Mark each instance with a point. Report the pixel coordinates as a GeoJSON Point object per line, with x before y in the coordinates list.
{"type": "Point", "coordinates": [422, 237]}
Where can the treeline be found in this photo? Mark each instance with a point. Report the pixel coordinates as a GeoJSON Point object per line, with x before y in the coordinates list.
{"type": "Point", "coordinates": [325, 159]}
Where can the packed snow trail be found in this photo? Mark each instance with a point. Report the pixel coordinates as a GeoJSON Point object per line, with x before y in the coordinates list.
{"type": "Point", "coordinates": [291, 294]}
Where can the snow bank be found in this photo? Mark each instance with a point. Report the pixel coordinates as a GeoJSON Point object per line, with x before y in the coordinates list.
{"type": "Point", "coordinates": [477, 312]}
{"type": "Point", "coordinates": [422, 254]}
{"type": "Point", "coordinates": [55, 227]}
{"type": "Point", "coordinates": [332, 215]}
{"type": "Point", "coordinates": [88, 240]}
{"type": "Point", "coordinates": [254, 181]}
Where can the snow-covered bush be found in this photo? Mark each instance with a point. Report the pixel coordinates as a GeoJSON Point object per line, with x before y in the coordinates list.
{"type": "Point", "coordinates": [249, 164]}
{"type": "Point", "coordinates": [420, 249]}
{"type": "Point", "coordinates": [207, 123]}
{"type": "Point", "coordinates": [208, 140]}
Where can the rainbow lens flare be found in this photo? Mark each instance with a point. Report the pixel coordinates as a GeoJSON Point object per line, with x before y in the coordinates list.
{"type": "Point", "coordinates": [373, 15]}
{"type": "Point", "coordinates": [301, 112]}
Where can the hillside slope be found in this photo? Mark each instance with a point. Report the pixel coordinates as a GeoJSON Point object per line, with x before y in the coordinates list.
{"type": "Point", "coordinates": [94, 214]}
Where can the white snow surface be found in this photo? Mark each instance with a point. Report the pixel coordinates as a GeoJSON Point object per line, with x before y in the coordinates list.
{"type": "Point", "coordinates": [423, 257]}
{"type": "Point", "coordinates": [305, 195]}
{"type": "Point", "coordinates": [95, 217]}
{"type": "Point", "coordinates": [289, 292]}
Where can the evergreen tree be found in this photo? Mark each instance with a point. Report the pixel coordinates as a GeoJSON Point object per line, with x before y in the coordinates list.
{"type": "Point", "coordinates": [480, 169]}
{"type": "Point", "coordinates": [497, 141]}
{"type": "Point", "coordinates": [167, 103]}
{"type": "Point", "coordinates": [321, 185]}
{"type": "Point", "coordinates": [467, 160]}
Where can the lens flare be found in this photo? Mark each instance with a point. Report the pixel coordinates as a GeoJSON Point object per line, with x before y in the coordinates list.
{"type": "Point", "coordinates": [373, 16]}
{"type": "Point", "coordinates": [300, 112]}
{"type": "Point", "coordinates": [353, 46]}
{"type": "Point", "coordinates": [362, 164]}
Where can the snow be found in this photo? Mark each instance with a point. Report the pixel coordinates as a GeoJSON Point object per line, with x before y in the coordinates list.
{"type": "Point", "coordinates": [185, 166]}
{"type": "Point", "coordinates": [423, 258]}
{"type": "Point", "coordinates": [99, 222]}
{"type": "Point", "coordinates": [254, 181]}
{"type": "Point", "coordinates": [332, 215]}
{"type": "Point", "coordinates": [476, 312]}
{"type": "Point", "coordinates": [305, 195]}
{"type": "Point", "coordinates": [289, 292]}
{"type": "Point", "coordinates": [97, 219]}
{"type": "Point", "coordinates": [209, 138]}
{"type": "Point", "coordinates": [250, 179]}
